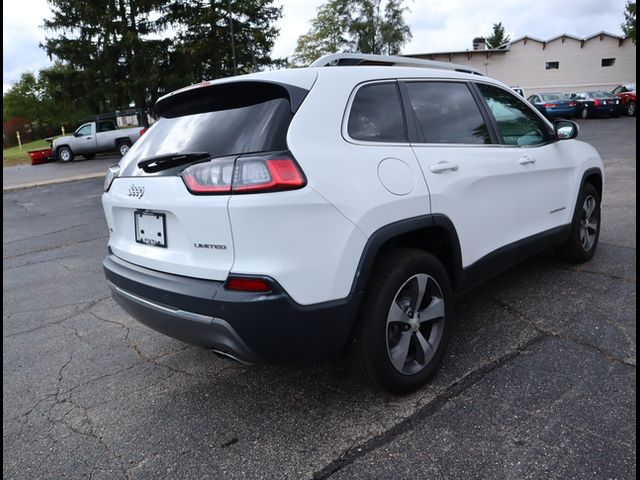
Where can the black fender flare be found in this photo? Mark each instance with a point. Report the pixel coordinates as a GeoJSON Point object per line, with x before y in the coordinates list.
{"type": "Point", "coordinates": [387, 233]}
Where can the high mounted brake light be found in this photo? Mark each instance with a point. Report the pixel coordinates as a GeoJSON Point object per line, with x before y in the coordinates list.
{"type": "Point", "coordinates": [246, 174]}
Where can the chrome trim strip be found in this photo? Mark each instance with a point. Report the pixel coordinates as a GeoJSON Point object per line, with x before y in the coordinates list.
{"type": "Point", "coordinates": [195, 317]}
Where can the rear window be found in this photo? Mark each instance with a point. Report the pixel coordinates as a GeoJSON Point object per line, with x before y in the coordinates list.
{"type": "Point", "coordinates": [246, 124]}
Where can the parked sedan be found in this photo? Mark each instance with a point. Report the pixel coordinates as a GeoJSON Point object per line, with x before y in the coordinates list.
{"type": "Point", "coordinates": [553, 105]}
{"type": "Point", "coordinates": [627, 96]}
{"type": "Point", "coordinates": [597, 103]}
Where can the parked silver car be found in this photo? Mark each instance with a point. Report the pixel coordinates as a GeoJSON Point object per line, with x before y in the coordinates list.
{"type": "Point", "coordinates": [95, 137]}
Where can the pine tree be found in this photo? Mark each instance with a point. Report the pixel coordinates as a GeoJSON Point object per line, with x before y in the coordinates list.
{"type": "Point", "coordinates": [497, 37]}
{"type": "Point", "coordinates": [108, 43]}
{"type": "Point", "coordinates": [204, 36]}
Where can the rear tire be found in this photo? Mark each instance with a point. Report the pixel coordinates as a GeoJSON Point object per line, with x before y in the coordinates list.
{"type": "Point", "coordinates": [631, 109]}
{"type": "Point", "coordinates": [405, 322]}
{"type": "Point", "coordinates": [585, 228]}
{"type": "Point", "coordinates": [584, 113]}
{"type": "Point", "coordinates": [123, 147]}
{"type": "Point", "coordinates": [65, 154]}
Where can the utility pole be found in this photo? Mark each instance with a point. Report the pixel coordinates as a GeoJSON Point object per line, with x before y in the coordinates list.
{"type": "Point", "coordinates": [233, 43]}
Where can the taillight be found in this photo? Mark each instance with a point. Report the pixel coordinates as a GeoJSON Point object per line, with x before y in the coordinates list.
{"type": "Point", "coordinates": [142, 131]}
{"type": "Point", "coordinates": [247, 284]}
{"type": "Point", "coordinates": [246, 174]}
{"type": "Point", "coordinates": [572, 104]}
{"type": "Point", "coordinates": [547, 105]}
{"type": "Point", "coordinates": [596, 102]}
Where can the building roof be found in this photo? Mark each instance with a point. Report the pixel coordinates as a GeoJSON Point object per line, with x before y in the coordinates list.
{"type": "Point", "coordinates": [506, 46]}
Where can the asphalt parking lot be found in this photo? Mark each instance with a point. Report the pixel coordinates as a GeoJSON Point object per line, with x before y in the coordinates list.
{"type": "Point", "coordinates": [539, 380]}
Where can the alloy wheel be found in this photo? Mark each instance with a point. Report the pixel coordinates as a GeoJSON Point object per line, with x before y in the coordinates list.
{"type": "Point", "coordinates": [415, 324]}
{"type": "Point", "coordinates": [589, 223]}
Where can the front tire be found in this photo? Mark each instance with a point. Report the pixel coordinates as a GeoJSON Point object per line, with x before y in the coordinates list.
{"type": "Point", "coordinates": [585, 228]}
{"type": "Point", "coordinates": [65, 154]}
{"type": "Point", "coordinates": [405, 323]}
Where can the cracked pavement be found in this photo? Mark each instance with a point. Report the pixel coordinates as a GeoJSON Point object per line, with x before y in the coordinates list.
{"type": "Point", "coordinates": [538, 382]}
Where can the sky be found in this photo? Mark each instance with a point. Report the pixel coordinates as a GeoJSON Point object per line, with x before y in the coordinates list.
{"type": "Point", "coordinates": [436, 25]}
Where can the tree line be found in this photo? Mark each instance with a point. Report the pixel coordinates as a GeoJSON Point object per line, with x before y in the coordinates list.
{"type": "Point", "coordinates": [115, 54]}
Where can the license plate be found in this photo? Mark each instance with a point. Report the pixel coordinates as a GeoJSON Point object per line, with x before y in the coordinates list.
{"type": "Point", "coordinates": [151, 228]}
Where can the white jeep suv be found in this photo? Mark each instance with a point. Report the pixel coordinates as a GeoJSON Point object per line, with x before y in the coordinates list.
{"type": "Point", "coordinates": [297, 214]}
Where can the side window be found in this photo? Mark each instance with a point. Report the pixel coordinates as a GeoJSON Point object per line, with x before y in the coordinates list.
{"type": "Point", "coordinates": [517, 123]}
{"type": "Point", "coordinates": [376, 114]}
{"type": "Point", "coordinates": [447, 113]}
{"type": "Point", "coordinates": [84, 130]}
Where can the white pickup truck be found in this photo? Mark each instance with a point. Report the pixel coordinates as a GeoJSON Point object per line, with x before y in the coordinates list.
{"type": "Point", "coordinates": [95, 137]}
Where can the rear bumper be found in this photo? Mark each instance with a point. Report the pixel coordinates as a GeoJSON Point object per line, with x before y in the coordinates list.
{"type": "Point", "coordinates": [249, 327]}
{"type": "Point", "coordinates": [561, 112]}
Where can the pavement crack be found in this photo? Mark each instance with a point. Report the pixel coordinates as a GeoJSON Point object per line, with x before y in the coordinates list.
{"type": "Point", "coordinates": [454, 390]}
{"type": "Point", "coordinates": [593, 272]}
{"type": "Point", "coordinates": [57, 247]}
{"type": "Point", "coordinates": [564, 336]}
{"type": "Point", "coordinates": [99, 219]}
{"type": "Point", "coordinates": [84, 307]}
{"type": "Point", "coordinates": [144, 357]}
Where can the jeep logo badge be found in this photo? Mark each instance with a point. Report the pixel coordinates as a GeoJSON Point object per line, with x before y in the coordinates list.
{"type": "Point", "coordinates": [137, 192]}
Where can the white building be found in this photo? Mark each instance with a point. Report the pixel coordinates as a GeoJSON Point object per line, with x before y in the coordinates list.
{"type": "Point", "coordinates": [561, 64]}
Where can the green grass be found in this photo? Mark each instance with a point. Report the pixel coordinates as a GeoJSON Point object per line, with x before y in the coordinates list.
{"type": "Point", "coordinates": [15, 156]}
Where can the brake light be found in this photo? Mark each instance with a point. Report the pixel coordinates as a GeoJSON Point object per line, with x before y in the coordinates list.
{"type": "Point", "coordinates": [247, 174]}
{"type": "Point", "coordinates": [547, 105]}
{"type": "Point", "coordinates": [142, 131]}
{"type": "Point", "coordinates": [596, 102]}
{"type": "Point", "coordinates": [247, 284]}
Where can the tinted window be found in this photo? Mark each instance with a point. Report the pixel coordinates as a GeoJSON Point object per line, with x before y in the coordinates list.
{"type": "Point", "coordinates": [376, 114]}
{"type": "Point", "coordinates": [84, 130]}
{"type": "Point", "coordinates": [517, 123]}
{"type": "Point", "coordinates": [554, 97]}
{"type": "Point", "coordinates": [447, 113]}
{"type": "Point", "coordinates": [251, 128]}
{"type": "Point", "coordinates": [106, 126]}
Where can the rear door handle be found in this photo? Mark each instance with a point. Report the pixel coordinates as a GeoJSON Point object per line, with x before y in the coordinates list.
{"type": "Point", "coordinates": [444, 167]}
{"type": "Point", "coordinates": [526, 160]}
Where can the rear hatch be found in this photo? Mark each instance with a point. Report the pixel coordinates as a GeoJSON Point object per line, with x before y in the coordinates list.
{"type": "Point", "coordinates": [155, 220]}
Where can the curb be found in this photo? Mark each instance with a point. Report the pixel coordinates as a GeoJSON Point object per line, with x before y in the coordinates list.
{"type": "Point", "coordinates": [22, 186]}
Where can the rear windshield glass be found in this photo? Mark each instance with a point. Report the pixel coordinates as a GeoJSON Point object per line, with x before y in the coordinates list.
{"type": "Point", "coordinates": [554, 97]}
{"type": "Point", "coordinates": [250, 128]}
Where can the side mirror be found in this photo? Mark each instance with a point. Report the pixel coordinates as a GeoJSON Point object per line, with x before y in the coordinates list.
{"type": "Point", "coordinates": [76, 134]}
{"type": "Point", "coordinates": [566, 129]}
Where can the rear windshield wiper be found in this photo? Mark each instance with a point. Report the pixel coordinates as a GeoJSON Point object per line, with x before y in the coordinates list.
{"type": "Point", "coordinates": [168, 160]}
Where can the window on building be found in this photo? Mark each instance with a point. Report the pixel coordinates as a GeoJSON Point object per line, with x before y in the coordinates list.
{"type": "Point", "coordinates": [608, 62]}
{"type": "Point", "coordinates": [552, 65]}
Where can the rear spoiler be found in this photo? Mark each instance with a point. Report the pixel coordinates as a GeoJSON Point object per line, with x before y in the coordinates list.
{"type": "Point", "coordinates": [211, 96]}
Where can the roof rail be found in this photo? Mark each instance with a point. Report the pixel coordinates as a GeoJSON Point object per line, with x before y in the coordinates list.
{"type": "Point", "coordinates": [349, 59]}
